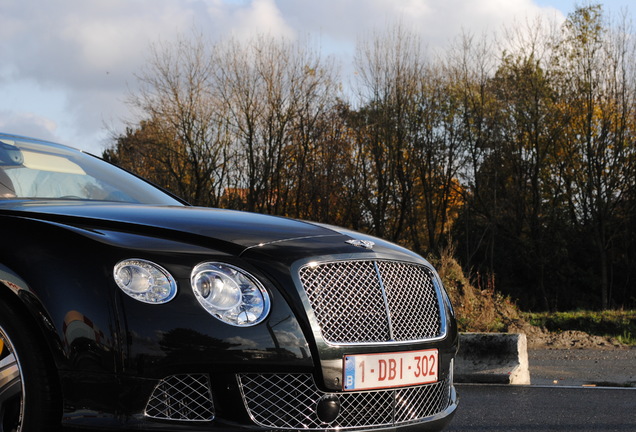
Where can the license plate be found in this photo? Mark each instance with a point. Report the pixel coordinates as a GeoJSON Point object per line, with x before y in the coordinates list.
{"type": "Point", "coordinates": [399, 369]}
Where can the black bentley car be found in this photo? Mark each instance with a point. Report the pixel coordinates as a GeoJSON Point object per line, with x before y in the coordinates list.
{"type": "Point", "coordinates": [122, 307]}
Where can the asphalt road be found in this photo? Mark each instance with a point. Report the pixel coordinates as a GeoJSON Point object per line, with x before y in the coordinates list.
{"type": "Point", "coordinates": [502, 408]}
{"type": "Point", "coordinates": [577, 367]}
{"type": "Point", "coordinates": [559, 398]}
{"type": "Point", "coordinates": [506, 408]}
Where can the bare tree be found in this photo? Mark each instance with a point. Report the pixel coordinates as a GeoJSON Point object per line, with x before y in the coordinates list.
{"type": "Point", "coordinates": [598, 76]}
{"type": "Point", "coordinates": [528, 144]}
{"type": "Point", "coordinates": [389, 69]}
{"type": "Point", "coordinates": [273, 92]}
{"type": "Point", "coordinates": [469, 66]}
{"type": "Point", "coordinates": [191, 140]}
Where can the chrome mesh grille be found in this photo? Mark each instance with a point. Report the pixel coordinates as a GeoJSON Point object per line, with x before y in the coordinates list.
{"type": "Point", "coordinates": [289, 401]}
{"type": "Point", "coordinates": [372, 301]}
{"type": "Point", "coordinates": [182, 397]}
{"type": "Point", "coordinates": [412, 301]}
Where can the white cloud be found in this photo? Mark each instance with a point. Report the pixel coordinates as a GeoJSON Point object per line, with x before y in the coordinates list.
{"type": "Point", "coordinates": [79, 57]}
{"type": "Point", "coordinates": [261, 16]}
{"type": "Point", "coordinates": [437, 21]}
{"type": "Point", "coordinates": [25, 123]}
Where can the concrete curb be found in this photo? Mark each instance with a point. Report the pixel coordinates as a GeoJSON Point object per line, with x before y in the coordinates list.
{"type": "Point", "coordinates": [494, 358]}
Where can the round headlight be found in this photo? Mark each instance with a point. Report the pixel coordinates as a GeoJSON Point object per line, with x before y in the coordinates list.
{"type": "Point", "coordinates": [230, 294]}
{"type": "Point", "coordinates": [145, 281]}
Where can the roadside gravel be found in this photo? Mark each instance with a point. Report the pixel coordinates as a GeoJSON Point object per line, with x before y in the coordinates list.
{"type": "Point", "coordinates": [583, 367]}
{"type": "Point", "coordinates": [575, 358]}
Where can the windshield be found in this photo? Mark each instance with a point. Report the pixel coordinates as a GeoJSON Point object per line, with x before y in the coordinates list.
{"type": "Point", "coordinates": [39, 170]}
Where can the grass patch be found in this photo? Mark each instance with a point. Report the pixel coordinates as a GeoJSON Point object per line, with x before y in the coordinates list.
{"type": "Point", "coordinates": [617, 324]}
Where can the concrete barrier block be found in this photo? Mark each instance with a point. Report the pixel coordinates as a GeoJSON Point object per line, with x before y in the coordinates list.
{"type": "Point", "coordinates": [497, 358]}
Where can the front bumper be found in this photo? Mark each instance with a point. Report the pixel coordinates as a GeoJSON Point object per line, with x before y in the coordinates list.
{"type": "Point", "coordinates": [271, 402]}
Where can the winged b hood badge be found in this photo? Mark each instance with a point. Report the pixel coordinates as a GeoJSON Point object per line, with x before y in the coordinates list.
{"type": "Point", "coordinates": [365, 244]}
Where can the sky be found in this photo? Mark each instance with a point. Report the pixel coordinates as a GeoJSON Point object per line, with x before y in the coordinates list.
{"type": "Point", "coordinates": [68, 66]}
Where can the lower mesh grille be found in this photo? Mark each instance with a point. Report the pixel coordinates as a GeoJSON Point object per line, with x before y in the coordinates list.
{"type": "Point", "coordinates": [182, 397]}
{"type": "Point", "coordinates": [289, 401]}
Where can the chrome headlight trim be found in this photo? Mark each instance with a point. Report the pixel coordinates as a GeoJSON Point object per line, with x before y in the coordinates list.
{"type": "Point", "coordinates": [437, 281]}
{"type": "Point", "coordinates": [145, 281]}
{"type": "Point", "coordinates": [230, 294]}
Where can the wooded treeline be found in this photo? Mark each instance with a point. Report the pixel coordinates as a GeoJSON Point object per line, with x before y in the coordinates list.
{"type": "Point", "coordinates": [519, 155]}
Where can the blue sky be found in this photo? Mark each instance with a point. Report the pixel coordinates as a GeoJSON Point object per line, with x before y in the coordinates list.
{"type": "Point", "coordinates": [68, 65]}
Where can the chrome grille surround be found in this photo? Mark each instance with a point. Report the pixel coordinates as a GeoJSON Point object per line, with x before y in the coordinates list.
{"type": "Point", "coordinates": [373, 301]}
{"type": "Point", "coordinates": [182, 397]}
{"type": "Point", "coordinates": [289, 401]}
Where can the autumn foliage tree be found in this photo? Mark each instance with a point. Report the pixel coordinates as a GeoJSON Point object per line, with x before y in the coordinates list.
{"type": "Point", "coordinates": [519, 156]}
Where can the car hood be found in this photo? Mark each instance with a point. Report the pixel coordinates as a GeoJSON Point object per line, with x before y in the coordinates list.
{"type": "Point", "coordinates": [238, 228]}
